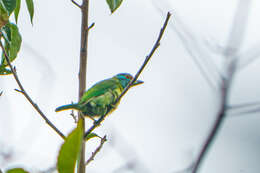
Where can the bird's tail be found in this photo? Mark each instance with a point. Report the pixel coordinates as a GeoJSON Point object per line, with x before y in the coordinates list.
{"type": "Point", "coordinates": [66, 107]}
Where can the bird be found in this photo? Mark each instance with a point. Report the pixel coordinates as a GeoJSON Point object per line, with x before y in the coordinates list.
{"type": "Point", "coordinates": [100, 99]}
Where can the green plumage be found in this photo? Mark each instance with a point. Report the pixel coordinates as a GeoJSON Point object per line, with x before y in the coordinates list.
{"type": "Point", "coordinates": [100, 98]}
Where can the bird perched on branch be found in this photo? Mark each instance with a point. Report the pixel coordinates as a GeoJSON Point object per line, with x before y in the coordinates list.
{"type": "Point", "coordinates": [101, 98]}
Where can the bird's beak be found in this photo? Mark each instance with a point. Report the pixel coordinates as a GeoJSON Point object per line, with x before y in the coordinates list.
{"type": "Point", "coordinates": [138, 82]}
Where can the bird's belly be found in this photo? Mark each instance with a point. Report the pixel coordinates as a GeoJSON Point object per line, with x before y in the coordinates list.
{"type": "Point", "coordinates": [100, 105]}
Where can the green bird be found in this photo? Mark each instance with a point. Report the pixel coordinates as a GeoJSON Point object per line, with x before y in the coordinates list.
{"type": "Point", "coordinates": [101, 98]}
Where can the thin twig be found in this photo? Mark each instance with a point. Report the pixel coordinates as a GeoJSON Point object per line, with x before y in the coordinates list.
{"type": "Point", "coordinates": [93, 155]}
{"type": "Point", "coordinates": [91, 26]}
{"type": "Point", "coordinates": [22, 90]}
{"type": "Point", "coordinates": [75, 3]}
{"type": "Point", "coordinates": [1, 93]}
{"type": "Point", "coordinates": [73, 115]}
{"type": "Point", "coordinates": [156, 45]}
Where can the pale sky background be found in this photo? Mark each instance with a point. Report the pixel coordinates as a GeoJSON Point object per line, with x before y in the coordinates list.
{"type": "Point", "coordinates": [162, 124]}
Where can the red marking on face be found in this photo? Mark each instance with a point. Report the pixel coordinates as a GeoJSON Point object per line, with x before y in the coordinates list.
{"type": "Point", "coordinates": [128, 76]}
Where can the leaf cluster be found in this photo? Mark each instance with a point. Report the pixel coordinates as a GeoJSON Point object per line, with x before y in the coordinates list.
{"type": "Point", "coordinates": [10, 36]}
{"type": "Point", "coordinates": [9, 32]}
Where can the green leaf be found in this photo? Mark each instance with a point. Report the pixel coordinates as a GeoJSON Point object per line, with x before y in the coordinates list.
{"type": "Point", "coordinates": [4, 71]}
{"type": "Point", "coordinates": [16, 170]}
{"type": "Point", "coordinates": [17, 10]}
{"type": "Point", "coordinates": [9, 5]}
{"type": "Point", "coordinates": [3, 15]}
{"type": "Point", "coordinates": [91, 135]}
{"type": "Point", "coordinates": [70, 150]}
{"type": "Point", "coordinates": [6, 31]}
{"type": "Point", "coordinates": [16, 41]}
{"type": "Point", "coordinates": [30, 7]}
{"type": "Point", "coordinates": [12, 42]}
{"type": "Point", "coordinates": [114, 4]}
{"type": "Point", "coordinates": [7, 48]}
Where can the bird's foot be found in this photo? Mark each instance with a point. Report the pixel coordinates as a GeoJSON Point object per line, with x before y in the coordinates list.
{"type": "Point", "coordinates": [95, 122]}
{"type": "Point", "coordinates": [113, 106]}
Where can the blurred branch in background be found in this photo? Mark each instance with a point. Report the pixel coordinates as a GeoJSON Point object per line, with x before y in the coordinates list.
{"type": "Point", "coordinates": [185, 170]}
{"type": "Point", "coordinates": [249, 56]}
{"type": "Point", "coordinates": [127, 152]}
{"type": "Point", "coordinates": [198, 53]}
{"type": "Point", "coordinates": [233, 61]}
{"type": "Point", "coordinates": [197, 50]}
{"type": "Point", "coordinates": [40, 59]}
{"type": "Point", "coordinates": [6, 154]}
{"type": "Point", "coordinates": [235, 40]}
{"type": "Point", "coordinates": [243, 108]}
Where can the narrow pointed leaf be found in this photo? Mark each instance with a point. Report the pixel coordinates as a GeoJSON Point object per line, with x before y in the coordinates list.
{"type": "Point", "coordinates": [16, 170]}
{"type": "Point", "coordinates": [17, 10]}
{"type": "Point", "coordinates": [70, 150]}
{"type": "Point", "coordinates": [30, 8]}
{"type": "Point", "coordinates": [9, 5]}
{"type": "Point", "coordinates": [113, 4]}
{"type": "Point", "coordinates": [91, 135]}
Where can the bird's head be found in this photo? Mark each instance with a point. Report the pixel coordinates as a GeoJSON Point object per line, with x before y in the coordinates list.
{"type": "Point", "coordinates": [125, 78]}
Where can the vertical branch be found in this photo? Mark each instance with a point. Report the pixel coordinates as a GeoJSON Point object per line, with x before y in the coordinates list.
{"type": "Point", "coordinates": [83, 71]}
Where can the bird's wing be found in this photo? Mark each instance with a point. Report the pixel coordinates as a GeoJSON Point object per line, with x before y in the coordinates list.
{"type": "Point", "coordinates": [99, 89]}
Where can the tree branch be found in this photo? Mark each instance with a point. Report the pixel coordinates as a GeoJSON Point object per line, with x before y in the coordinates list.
{"type": "Point", "coordinates": [22, 90]}
{"type": "Point", "coordinates": [234, 43]}
{"type": "Point", "coordinates": [103, 140]}
{"type": "Point", "coordinates": [83, 72]}
{"type": "Point", "coordinates": [156, 45]}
